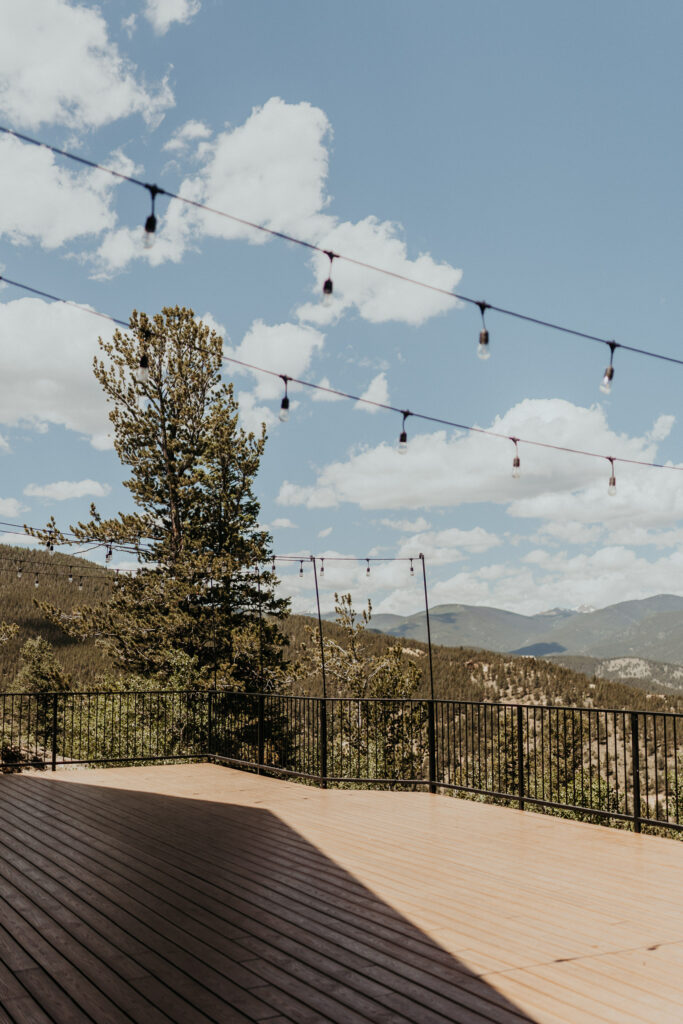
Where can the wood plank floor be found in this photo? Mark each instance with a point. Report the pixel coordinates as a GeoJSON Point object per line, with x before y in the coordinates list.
{"type": "Point", "coordinates": [194, 893]}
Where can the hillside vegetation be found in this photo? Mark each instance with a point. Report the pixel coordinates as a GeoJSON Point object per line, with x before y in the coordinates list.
{"type": "Point", "coordinates": [463, 673]}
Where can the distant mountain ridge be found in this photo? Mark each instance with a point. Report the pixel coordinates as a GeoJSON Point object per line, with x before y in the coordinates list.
{"type": "Point", "coordinates": [649, 629]}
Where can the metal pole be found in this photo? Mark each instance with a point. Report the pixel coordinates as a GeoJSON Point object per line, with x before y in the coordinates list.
{"type": "Point", "coordinates": [323, 702]}
{"type": "Point", "coordinates": [320, 627]}
{"type": "Point", "coordinates": [429, 632]}
{"type": "Point", "coordinates": [260, 629]}
{"type": "Point", "coordinates": [635, 768]}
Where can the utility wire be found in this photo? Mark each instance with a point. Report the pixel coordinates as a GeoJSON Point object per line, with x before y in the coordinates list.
{"type": "Point", "coordinates": [155, 190]}
{"type": "Point", "coordinates": [394, 408]}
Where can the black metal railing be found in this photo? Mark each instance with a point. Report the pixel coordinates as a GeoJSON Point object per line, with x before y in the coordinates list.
{"type": "Point", "coordinates": [581, 762]}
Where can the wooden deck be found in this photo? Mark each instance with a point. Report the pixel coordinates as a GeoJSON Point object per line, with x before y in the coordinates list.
{"type": "Point", "coordinates": [196, 893]}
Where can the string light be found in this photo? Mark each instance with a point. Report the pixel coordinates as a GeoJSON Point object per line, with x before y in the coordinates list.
{"type": "Point", "coordinates": [367, 571]}
{"type": "Point", "coordinates": [328, 287]}
{"type": "Point", "coordinates": [109, 554]}
{"type": "Point", "coordinates": [412, 568]}
{"type": "Point", "coordinates": [403, 436]}
{"type": "Point", "coordinates": [19, 571]}
{"type": "Point", "coordinates": [381, 405]}
{"type": "Point", "coordinates": [322, 566]}
{"type": "Point", "coordinates": [70, 577]}
{"type": "Point", "coordinates": [142, 372]}
{"type": "Point", "coordinates": [80, 583]}
{"type": "Point", "coordinates": [301, 567]}
{"type": "Point", "coordinates": [151, 222]}
{"type": "Point", "coordinates": [36, 583]}
{"type": "Point", "coordinates": [612, 487]}
{"type": "Point", "coordinates": [155, 190]}
{"type": "Point", "coordinates": [516, 465]}
{"type": "Point", "coordinates": [606, 385]}
{"type": "Point", "coordinates": [284, 405]}
{"type": "Point", "coordinates": [483, 349]}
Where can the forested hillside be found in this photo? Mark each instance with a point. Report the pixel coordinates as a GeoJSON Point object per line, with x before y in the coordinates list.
{"type": "Point", "coordinates": [463, 673]}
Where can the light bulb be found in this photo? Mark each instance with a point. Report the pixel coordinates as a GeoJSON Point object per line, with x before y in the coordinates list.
{"type": "Point", "coordinates": [483, 347]}
{"type": "Point", "coordinates": [412, 568]}
{"type": "Point", "coordinates": [284, 410]}
{"type": "Point", "coordinates": [367, 571]}
{"type": "Point", "coordinates": [19, 572]}
{"type": "Point", "coordinates": [516, 469]}
{"type": "Point", "coordinates": [36, 583]}
{"type": "Point", "coordinates": [70, 577]}
{"type": "Point", "coordinates": [606, 386]}
{"type": "Point", "coordinates": [612, 489]}
{"type": "Point", "coordinates": [109, 553]}
{"type": "Point", "coordinates": [402, 443]}
{"type": "Point", "coordinates": [301, 568]}
{"type": "Point", "coordinates": [150, 231]}
{"type": "Point", "coordinates": [322, 566]}
{"type": "Point", "coordinates": [328, 289]}
{"type": "Point", "coordinates": [80, 583]}
{"type": "Point", "coordinates": [50, 548]}
{"type": "Point", "coordinates": [142, 372]}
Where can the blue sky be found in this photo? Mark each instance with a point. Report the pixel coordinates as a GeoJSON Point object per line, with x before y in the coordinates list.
{"type": "Point", "coordinates": [526, 154]}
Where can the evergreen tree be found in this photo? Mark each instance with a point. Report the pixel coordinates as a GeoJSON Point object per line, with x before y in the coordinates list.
{"type": "Point", "coordinates": [203, 588]}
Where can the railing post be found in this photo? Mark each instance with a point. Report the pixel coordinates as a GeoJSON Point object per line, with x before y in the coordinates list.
{"type": "Point", "coordinates": [54, 732]}
{"type": "Point", "coordinates": [431, 739]}
{"type": "Point", "coordinates": [520, 757]}
{"type": "Point", "coordinates": [323, 743]}
{"type": "Point", "coordinates": [635, 768]}
{"type": "Point", "coordinates": [259, 736]}
{"type": "Point", "coordinates": [210, 724]}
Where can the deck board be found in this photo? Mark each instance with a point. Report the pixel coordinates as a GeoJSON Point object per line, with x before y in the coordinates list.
{"type": "Point", "coordinates": [196, 893]}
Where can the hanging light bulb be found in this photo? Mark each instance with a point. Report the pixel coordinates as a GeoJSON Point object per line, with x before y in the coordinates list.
{"type": "Point", "coordinates": [403, 436]}
{"type": "Point", "coordinates": [606, 385]}
{"type": "Point", "coordinates": [328, 287]}
{"type": "Point", "coordinates": [516, 465]}
{"type": "Point", "coordinates": [273, 570]}
{"type": "Point", "coordinates": [20, 571]}
{"type": "Point", "coordinates": [50, 546]}
{"type": "Point", "coordinates": [151, 222]}
{"type": "Point", "coordinates": [301, 567]}
{"type": "Point", "coordinates": [483, 350]}
{"type": "Point", "coordinates": [109, 553]}
{"type": "Point", "coordinates": [367, 571]}
{"type": "Point", "coordinates": [284, 407]}
{"type": "Point", "coordinates": [142, 372]}
{"type": "Point", "coordinates": [35, 582]}
{"type": "Point", "coordinates": [412, 568]}
{"type": "Point", "coordinates": [70, 577]}
{"type": "Point", "coordinates": [612, 486]}
{"type": "Point", "coordinates": [322, 566]}
{"type": "Point", "coordinates": [80, 583]}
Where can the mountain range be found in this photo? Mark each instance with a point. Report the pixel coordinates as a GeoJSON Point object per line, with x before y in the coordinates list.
{"type": "Point", "coordinates": [620, 641]}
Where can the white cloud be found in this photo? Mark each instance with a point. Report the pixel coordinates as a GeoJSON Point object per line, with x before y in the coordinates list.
{"type": "Point", "coordinates": [285, 348]}
{"type": "Point", "coordinates": [12, 508]}
{"type": "Point", "coordinates": [326, 532]}
{"type": "Point", "coordinates": [662, 427]}
{"type": "Point", "coordinates": [272, 171]}
{"type": "Point", "coordinates": [324, 396]}
{"type": "Point", "coordinates": [378, 297]}
{"type": "Point", "coordinates": [190, 132]}
{"type": "Point", "coordinates": [128, 24]}
{"type": "Point", "coordinates": [46, 202]}
{"type": "Point", "coordinates": [58, 65]}
{"type": "Point", "coordinates": [376, 391]}
{"type": "Point", "coordinates": [450, 470]}
{"type": "Point", "coordinates": [253, 416]}
{"type": "Point", "coordinates": [162, 13]}
{"type": "Point", "coordinates": [406, 525]}
{"type": "Point", "coordinates": [283, 524]}
{"type": "Point", "coordinates": [64, 490]}
{"type": "Point", "coordinates": [443, 546]}
{"type": "Point", "coordinates": [46, 353]}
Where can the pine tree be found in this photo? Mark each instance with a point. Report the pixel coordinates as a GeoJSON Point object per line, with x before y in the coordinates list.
{"type": "Point", "coordinates": [204, 592]}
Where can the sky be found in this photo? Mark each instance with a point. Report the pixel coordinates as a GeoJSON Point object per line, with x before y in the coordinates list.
{"type": "Point", "coordinates": [527, 155]}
